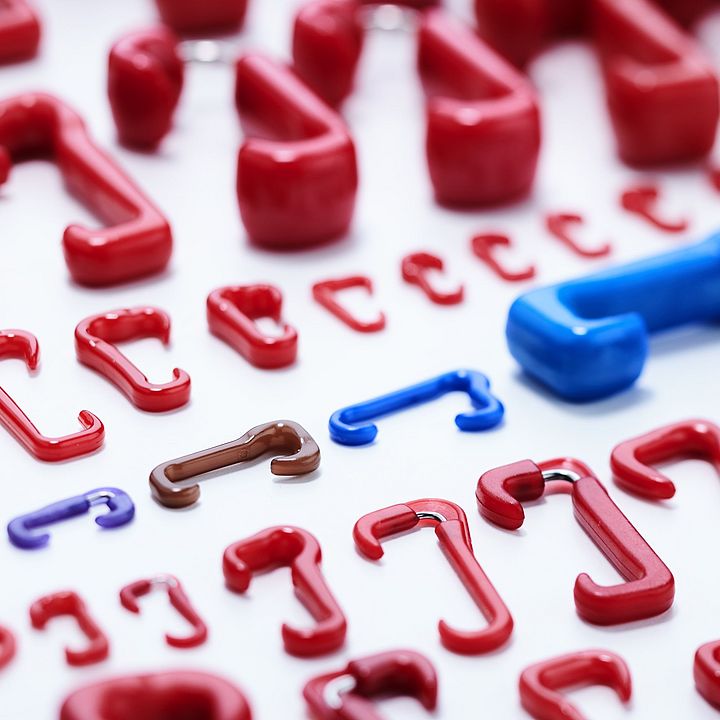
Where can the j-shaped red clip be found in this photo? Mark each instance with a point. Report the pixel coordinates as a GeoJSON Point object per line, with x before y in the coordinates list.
{"type": "Point", "coordinates": [706, 671]}
{"type": "Point", "coordinates": [642, 200]}
{"type": "Point", "coordinates": [232, 313]}
{"type": "Point", "coordinates": [453, 533]}
{"type": "Point", "coordinates": [347, 694]}
{"type": "Point", "coordinates": [483, 248]}
{"type": "Point", "coordinates": [8, 647]}
{"type": "Point", "coordinates": [70, 603]}
{"type": "Point", "coordinates": [139, 241]}
{"type": "Point", "coordinates": [650, 586]}
{"type": "Point", "coordinates": [540, 684]}
{"type": "Point", "coordinates": [19, 31]}
{"type": "Point", "coordinates": [201, 18]}
{"type": "Point", "coordinates": [632, 460]}
{"type": "Point", "coordinates": [178, 599]}
{"type": "Point", "coordinates": [416, 269]}
{"type": "Point", "coordinates": [22, 345]}
{"type": "Point", "coordinates": [324, 293]}
{"type": "Point", "coordinates": [483, 122]}
{"type": "Point", "coordinates": [558, 225]}
{"type": "Point", "coordinates": [95, 339]}
{"type": "Point", "coordinates": [159, 695]}
{"type": "Point", "coordinates": [300, 551]}
{"type": "Point", "coordinates": [297, 171]}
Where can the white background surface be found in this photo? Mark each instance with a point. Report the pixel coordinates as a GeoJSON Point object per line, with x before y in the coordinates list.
{"type": "Point", "coordinates": [419, 453]}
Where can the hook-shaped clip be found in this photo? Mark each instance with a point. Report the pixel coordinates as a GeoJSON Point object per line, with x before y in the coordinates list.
{"type": "Point", "coordinates": [632, 460]}
{"type": "Point", "coordinates": [324, 293]}
{"type": "Point", "coordinates": [347, 694]}
{"type": "Point", "coordinates": [232, 313]}
{"type": "Point", "coordinates": [540, 684]}
{"type": "Point", "coordinates": [300, 551]}
{"type": "Point", "coordinates": [558, 225]}
{"type": "Point", "coordinates": [95, 339]}
{"type": "Point", "coordinates": [453, 533]}
{"type": "Point", "coordinates": [19, 31]}
{"type": "Point", "coordinates": [351, 425]}
{"type": "Point", "coordinates": [301, 455]}
{"type": "Point", "coordinates": [642, 200]}
{"type": "Point", "coordinates": [120, 506]}
{"type": "Point", "coordinates": [178, 599]}
{"type": "Point", "coordinates": [22, 345]}
{"type": "Point", "coordinates": [70, 603]}
{"type": "Point", "coordinates": [483, 247]}
{"type": "Point", "coordinates": [8, 646]}
{"type": "Point", "coordinates": [650, 586]}
{"type": "Point", "coordinates": [416, 269]}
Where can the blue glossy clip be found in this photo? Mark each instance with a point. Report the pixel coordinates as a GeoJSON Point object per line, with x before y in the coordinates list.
{"type": "Point", "coordinates": [122, 511]}
{"type": "Point", "coordinates": [586, 339]}
{"type": "Point", "coordinates": [351, 426]}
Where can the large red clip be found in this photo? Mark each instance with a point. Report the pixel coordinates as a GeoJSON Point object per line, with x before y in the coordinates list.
{"type": "Point", "coordinates": [175, 694]}
{"type": "Point", "coordinates": [453, 533]}
{"type": "Point", "coordinates": [24, 346]}
{"type": "Point", "coordinates": [202, 18]}
{"type": "Point", "coordinates": [232, 313]}
{"type": "Point", "coordinates": [650, 586]}
{"type": "Point", "coordinates": [8, 647]}
{"type": "Point", "coordinates": [347, 694]}
{"type": "Point", "coordinates": [139, 241]}
{"type": "Point", "coordinates": [70, 603]}
{"type": "Point", "coordinates": [540, 684]}
{"type": "Point", "coordinates": [95, 339]}
{"type": "Point", "coordinates": [300, 551]}
{"type": "Point", "coordinates": [19, 31]}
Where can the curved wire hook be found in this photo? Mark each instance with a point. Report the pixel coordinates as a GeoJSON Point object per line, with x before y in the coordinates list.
{"type": "Point", "coordinates": [416, 269]}
{"type": "Point", "coordinates": [558, 226]}
{"type": "Point", "coordinates": [324, 293]}
{"type": "Point", "coordinates": [483, 246]}
{"type": "Point", "coordinates": [642, 200]}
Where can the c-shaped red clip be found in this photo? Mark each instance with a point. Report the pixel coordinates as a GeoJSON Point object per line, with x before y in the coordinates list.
{"type": "Point", "coordinates": [158, 695]}
{"type": "Point", "coordinates": [482, 247]}
{"type": "Point", "coordinates": [8, 647]}
{"type": "Point", "coordinates": [22, 345]}
{"type": "Point", "coordinates": [632, 459]}
{"type": "Point", "coordinates": [178, 599]}
{"type": "Point", "coordinates": [95, 339]}
{"type": "Point", "coordinates": [540, 684]}
{"type": "Point", "coordinates": [70, 603]}
{"type": "Point", "coordinates": [650, 586]}
{"type": "Point", "coordinates": [453, 533]}
{"type": "Point", "coordinates": [139, 240]}
{"type": "Point", "coordinates": [19, 31]}
{"type": "Point", "coordinates": [324, 293]}
{"type": "Point", "coordinates": [416, 269]}
{"type": "Point", "coordinates": [641, 200]}
{"type": "Point", "coordinates": [347, 694]}
{"type": "Point", "coordinates": [202, 18]}
{"type": "Point", "coordinates": [232, 312]}
{"type": "Point", "coordinates": [557, 225]}
{"type": "Point", "coordinates": [300, 551]}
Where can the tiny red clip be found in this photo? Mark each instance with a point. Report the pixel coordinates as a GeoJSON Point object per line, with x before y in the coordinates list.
{"type": "Point", "coordinates": [70, 603]}
{"type": "Point", "coordinates": [22, 345]}
{"type": "Point", "coordinates": [95, 339]}
{"type": "Point", "coordinates": [642, 200]}
{"type": "Point", "coordinates": [347, 694]}
{"type": "Point", "coordinates": [416, 269]}
{"type": "Point", "coordinates": [8, 647]}
{"type": "Point", "coordinates": [19, 31]}
{"type": "Point", "coordinates": [232, 313]}
{"type": "Point", "coordinates": [202, 18]}
{"type": "Point", "coordinates": [558, 224]}
{"type": "Point", "coordinates": [483, 248]}
{"type": "Point", "coordinates": [178, 599]}
{"type": "Point", "coordinates": [706, 671]}
{"type": "Point", "coordinates": [300, 551]}
{"type": "Point", "coordinates": [324, 293]}
{"type": "Point", "coordinates": [540, 684]}
{"type": "Point", "coordinates": [631, 460]}
{"type": "Point", "coordinates": [650, 586]}
{"type": "Point", "coordinates": [453, 533]}
{"type": "Point", "coordinates": [138, 241]}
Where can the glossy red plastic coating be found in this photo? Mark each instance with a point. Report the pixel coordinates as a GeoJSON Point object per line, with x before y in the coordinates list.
{"type": "Point", "coordinates": [19, 31]}
{"type": "Point", "coordinates": [324, 293]}
{"type": "Point", "coordinates": [95, 339]}
{"type": "Point", "coordinates": [232, 313]}
{"type": "Point", "coordinates": [194, 17]}
{"type": "Point", "coordinates": [706, 670]}
{"type": "Point", "coordinates": [297, 171]}
{"type": "Point", "coordinates": [642, 200]}
{"type": "Point", "coordinates": [650, 586]}
{"type": "Point", "coordinates": [138, 241]}
{"type": "Point", "coordinates": [558, 225]}
{"type": "Point", "coordinates": [540, 684]}
{"type": "Point", "coordinates": [398, 672]}
{"type": "Point", "coordinates": [21, 345]}
{"type": "Point", "coordinates": [8, 647]}
{"type": "Point", "coordinates": [453, 533]}
{"type": "Point", "coordinates": [70, 603]}
{"type": "Point", "coordinates": [632, 460]}
{"type": "Point", "coordinates": [158, 696]}
{"type": "Point", "coordinates": [483, 248]}
{"type": "Point", "coordinates": [178, 599]}
{"type": "Point", "coordinates": [417, 268]}
{"type": "Point", "coordinates": [300, 551]}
